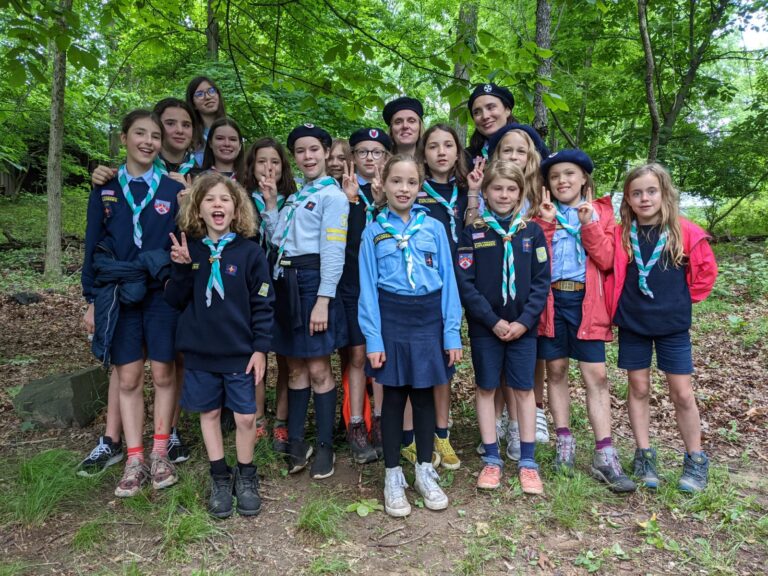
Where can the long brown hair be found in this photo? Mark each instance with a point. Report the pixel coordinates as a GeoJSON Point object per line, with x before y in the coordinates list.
{"type": "Point", "coordinates": [460, 166]}
{"type": "Point", "coordinates": [287, 185]}
{"type": "Point", "coordinates": [670, 213]}
{"type": "Point", "coordinates": [190, 221]}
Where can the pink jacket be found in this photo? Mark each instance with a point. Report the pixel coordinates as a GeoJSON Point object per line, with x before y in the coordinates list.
{"type": "Point", "coordinates": [702, 267]}
{"type": "Point", "coordinates": [597, 239]}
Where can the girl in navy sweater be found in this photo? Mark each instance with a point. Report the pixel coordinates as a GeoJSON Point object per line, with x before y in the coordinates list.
{"type": "Point", "coordinates": [221, 281]}
{"type": "Point", "coordinates": [223, 151]}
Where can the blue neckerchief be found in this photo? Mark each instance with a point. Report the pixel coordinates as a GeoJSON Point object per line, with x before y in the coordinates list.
{"type": "Point", "coordinates": [152, 178]}
{"type": "Point", "coordinates": [214, 280]}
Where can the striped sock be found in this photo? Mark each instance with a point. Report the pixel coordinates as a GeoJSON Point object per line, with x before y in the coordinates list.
{"type": "Point", "coordinates": [160, 444]}
{"type": "Point", "coordinates": [136, 453]}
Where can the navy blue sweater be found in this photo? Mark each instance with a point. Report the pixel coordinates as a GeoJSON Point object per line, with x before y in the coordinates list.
{"type": "Point", "coordinates": [109, 216]}
{"type": "Point", "coordinates": [669, 311]}
{"type": "Point", "coordinates": [222, 337]}
{"type": "Point", "coordinates": [438, 211]}
{"type": "Point", "coordinates": [479, 274]}
{"type": "Point", "coordinates": [349, 284]}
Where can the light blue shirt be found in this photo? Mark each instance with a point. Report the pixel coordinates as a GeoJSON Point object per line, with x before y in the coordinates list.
{"type": "Point", "coordinates": [565, 249]}
{"type": "Point", "coordinates": [382, 265]}
{"type": "Point", "coordinates": [146, 177]}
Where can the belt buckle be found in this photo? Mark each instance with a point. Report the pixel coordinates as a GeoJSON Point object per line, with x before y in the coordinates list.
{"type": "Point", "coordinates": [568, 285]}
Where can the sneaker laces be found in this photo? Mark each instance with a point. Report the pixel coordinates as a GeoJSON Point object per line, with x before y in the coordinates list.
{"type": "Point", "coordinates": [564, 447]}
{"type": "Point", "coordinates": [429, 477]}
{"type": "Point", "coordinates": [444, 446]}
{"type": "Point", "coordinates": [696, 469]}
{"type": "Point", "coordinates": [529, 474]}
{"type": "Point", "coordinates": [281, 433]}
{"type": "Point", "coordinates": [359, 435]}
{"type": "Point", "coordinates": [101, 448]}
{"type": "Point", "coordinates": [173, 440]}
{"type": "Point", "coordinates": [612, 461]}
{"type": "Point", "coordinates": [541, 421]}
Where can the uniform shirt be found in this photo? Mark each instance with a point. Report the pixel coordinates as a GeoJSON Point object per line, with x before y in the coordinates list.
{"type": "Point", "coordinates": [109, 215]}
{"type": "Point", "coordinates": [670, 309]}
{"type": "Point", "coordinates": [223, 336]}
{"type": "Point", "coordinates": [350, 279]}
{"type": "Point", "coordinates": [438, 211]}
{"type": "Point", "coordinates": [479, 274]}
{"type": "Point", "coordinates": [565, 249]}
{"type": "Point", "coordinates": [319, 226]}
{"type": "Point", "coordinates": [382, 266]}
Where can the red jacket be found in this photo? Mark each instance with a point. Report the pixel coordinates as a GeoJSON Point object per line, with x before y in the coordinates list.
{"type": "Point", "coordinates": [700, 275]}
{"type": "Point", "coordinates": [597, 239]}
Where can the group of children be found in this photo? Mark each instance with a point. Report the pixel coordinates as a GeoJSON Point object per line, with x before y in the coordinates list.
{"type": "Point", "coordinates": [203, 258]}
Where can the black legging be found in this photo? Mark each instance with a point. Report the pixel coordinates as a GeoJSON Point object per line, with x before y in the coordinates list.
{"type": "Point", "coordinates": [392, 408]}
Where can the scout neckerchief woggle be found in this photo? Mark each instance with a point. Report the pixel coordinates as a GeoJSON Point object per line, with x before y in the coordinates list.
{"type": "Point", "coordinates": [450, 207]}
{"type": "Point", "coordinates": [258, 200]}
{"type": "Point", "coordinates": [300, 197]}
{"type": "Point", "coordinates": [184, 167]}
{"type": "Point", "coordinates": [574, 231]}
{"type": "Point", "coordinates": [370, 207]}
{"type": "Point", "coordinates": [508, 265]}
{"type": "Point", "coordinates": [412, 227]}
{"type": "Point", "coordinates": [645, 269]}
{"type": "Point", "coordinates": [122, 178]}
{"type": "Point", "coordinates": [214, 280]}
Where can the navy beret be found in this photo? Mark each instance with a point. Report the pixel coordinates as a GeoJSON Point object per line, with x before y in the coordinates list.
{"type": "Point", "coordinates": [371, 135]}
{"type": "Point", "coordinates": [402, 103]}
{"type": "Point", "coordinates": [491, 90]}
{"type": "Point", "coordinates": [494, 140]}
{"type": "Point", "coordinates": [572, 155]}
{"type": "Point", "coordinates": [309, 130]}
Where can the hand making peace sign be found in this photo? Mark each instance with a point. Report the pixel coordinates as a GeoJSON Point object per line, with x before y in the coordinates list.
{"type": "Point", "coordinates": [349, 182]}
{"type": "Point", "coordinates": [547, 209]}
{"type": "Point", "coordinates": [180, 252]}
{"type": "Point", "coordinates": [586, 209]}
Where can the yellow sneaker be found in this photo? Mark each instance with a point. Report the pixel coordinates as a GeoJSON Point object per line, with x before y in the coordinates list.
{"type": "Point", "coordinates": [409, 453]}
{"type": "Point", "coordinates": [448, 458]}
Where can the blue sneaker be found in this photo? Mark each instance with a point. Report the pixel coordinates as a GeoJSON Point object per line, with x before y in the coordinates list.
{"type": "Point", "coordinates": [644, 466]}
{"type": "Point", "coordinates": [695, 472]}
{"type": "Point", "coordinates": [105, 454]}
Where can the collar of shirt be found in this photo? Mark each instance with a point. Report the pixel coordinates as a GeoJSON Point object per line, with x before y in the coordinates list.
{"type": "Point", "coordinates": [361, 181]}
{"type": "Point", "coordinates": [315, 181]}
{"type": "Point", "coordinates": [502, 218]}
{"type": "Point", "coordinates": [450, 181]}
{"type": "Point", "coordinates": [146, 177]}
{"type": "Point", "coordinates": [392, 217]}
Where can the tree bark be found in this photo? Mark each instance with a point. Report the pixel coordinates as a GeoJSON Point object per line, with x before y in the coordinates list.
{"type": "Point", "coordinates": [212, 33]}
{"type": "Point", "coordinates": [466, 32]}
{"type": "Point", "coordinates": [650, 66]}
{"type": "Point", "coordinates": [543, 40]}
{"type": "Point", "coordinates": [55, 148]}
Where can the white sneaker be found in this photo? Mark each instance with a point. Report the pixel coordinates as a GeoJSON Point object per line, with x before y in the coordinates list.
{"type": "Point", "coordinates": [501, 432]}
{"type": "Point", "coordinates": [395, 502]}
{"type": "Point", "coordinates": [426, 485]}
{"type": "Point", "coordinates": [542, 427]}
{"type": "Point", "coordinates": [513, 441]}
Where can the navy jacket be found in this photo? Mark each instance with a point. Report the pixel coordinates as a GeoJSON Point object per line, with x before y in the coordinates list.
{"type": "Point", "coordinates": [438, 211]}
{"type": "Point", "coordinates": [479, 274]}
{"type": "Point", "coordinates": [222, 337]}
{"type": "Point", "coordinates": [349, 284]}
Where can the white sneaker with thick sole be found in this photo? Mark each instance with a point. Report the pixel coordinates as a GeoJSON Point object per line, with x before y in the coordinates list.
{"type": "Point", "coordinates": [426, 485]}
{"type": "Point", "coordinates": [395, 502]}
{"type": "Point", "coordinates": [542, 427]}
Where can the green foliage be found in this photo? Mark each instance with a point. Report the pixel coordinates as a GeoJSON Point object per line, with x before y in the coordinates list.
{"type": "Point", "coordinates": [364, 507]}
{"type": "Point", "coordinates": [321, 516]}
{"type": "Point", "coordinates": [329, 565]}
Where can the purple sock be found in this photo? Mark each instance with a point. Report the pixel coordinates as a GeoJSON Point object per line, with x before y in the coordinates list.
{"type": "Point", "coordinates": [604, 443]}
{"type": "Point", "coordinates": [563, 431]}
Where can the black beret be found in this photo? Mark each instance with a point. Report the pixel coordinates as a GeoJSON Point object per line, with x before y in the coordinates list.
{"type": "Point", "coordinates": [572, 155]}
{"type": "Point", "coordinates": [402, 103]}
{"type": "Point", "coordinates": [494, 140]}
{"type": "Point", "coordinates": [309, 130]}
{"type": "Point", "coordinates": [371, 135]}
{"type": "Point", "coordinates": [491, 90]}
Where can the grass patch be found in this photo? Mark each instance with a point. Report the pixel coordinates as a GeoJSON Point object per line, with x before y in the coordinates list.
{"type": "Point", "coordinates": [321, 516]}
{"type": "Point", "coordinates": [570, 499]}
{"type": "Point", "coordinates": [326, 565]}
{"type": "Point", "coordinates": [25, 216]}
{"type": "Point", "coordinates": [89, 535]}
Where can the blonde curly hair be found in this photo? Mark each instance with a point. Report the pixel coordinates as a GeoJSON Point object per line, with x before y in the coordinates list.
{"type": "Point", "coordinates": [191, 223]}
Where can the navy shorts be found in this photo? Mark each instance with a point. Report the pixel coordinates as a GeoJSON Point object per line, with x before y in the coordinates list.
{"type": "Point", "coordinates": [566, 343]}
{"type": "Point", "coordinates": [516, 360]}
{"type": "Point", "coordinates": [204, 391]}
{"type": "Point", "coordinates": [673, 351]}
{"type": "Point", "coordinates": [349, 296]}
{"type": "Point", "coordinates": [146, 330]}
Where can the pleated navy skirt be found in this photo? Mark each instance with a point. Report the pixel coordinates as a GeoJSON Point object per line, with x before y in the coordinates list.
{"type": "Point", "coordinates": [412, 330]}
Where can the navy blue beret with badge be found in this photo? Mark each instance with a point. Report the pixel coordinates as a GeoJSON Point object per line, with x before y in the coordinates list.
{"type": "Point", "coordinates": [371, 135]}
{"type": "Point", "coordinates": [572, 155]}
{"type": "Point", "coordinates": [491, 90]}
{"type": "Point", "coordinates": [309, 130]}
{"type": "Point", "coordinates": [402, 103]}
{"type": "Point", "coordinates": [494, 140]}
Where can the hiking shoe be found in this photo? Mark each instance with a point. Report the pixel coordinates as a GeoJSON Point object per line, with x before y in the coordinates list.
{"type": "Point", "coordinates": [134, 477]}
{"type": "Point", "coordinates": [162, 471]}
{"type": "Point", "coordinates": [261, 429]}
{"type": "Point", "coordinates": [298, 454]}
{"type": "Point", "coordinates": [607, 468]}
{"type": "Point", "coordinates": [177, 451]}
{"type": "Point", "coordinates": [357, 437]}
{"type": "Point", "coordinates": [695, 472]}
{"type": "Point", "coordinates": [395, 502]}
{"type": "Point", "coordinates": [448, 458]}
{"type": "Point", "coordinates": [542, 428]}
{"type": "Point", "coordinates": [280, 442]}
{"type": "Point", "coordinates": [105, 454]}
{"type": "Point", "coordinates": [490, 477]}
{"type": "Point", "coordinates": [376, 440]}
{"type": "Point", "coordinates": [322, 465]}
{"type": "Point", "coordinates": [565, 454]}
{"type": "Point", "coordinates": [426, 485]}
{"type": "Point", "coordinates": [501, 430]}
{"type": "Point", "coordinates": [530, 481]}
{"type": "Point", "coordinates": [409, 453]}
{"type": "Point", "coordinates": [220, 500]}
{"type": "Point", "coordinates": [644, 467]}
{"type": "Point", "coordinates": [513, 441]}
{"type": "Point", "coordinates": [247, 492]}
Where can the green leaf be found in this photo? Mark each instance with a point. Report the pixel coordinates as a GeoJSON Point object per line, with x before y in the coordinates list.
{"type": "Point", "coordinates": [363, 510]}
{"type": "Point", "coordinates": [17, 75]}
{"type": "Point", "coordinates": [82, 58]}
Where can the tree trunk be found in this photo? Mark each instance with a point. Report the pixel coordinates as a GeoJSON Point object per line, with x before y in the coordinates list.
{"type": "Point", "coordinates": [55, 148]}
{"type": "Point", "coordinates": [650, 67]}
{"type": "Point", "coordinates": [543, 40]}
{"type": "Point", "coordinates": [466, 32]}
{"type": "Point", "coordinates": [212, 33]}
{"type": "Point", "coordinates": [584, 97]}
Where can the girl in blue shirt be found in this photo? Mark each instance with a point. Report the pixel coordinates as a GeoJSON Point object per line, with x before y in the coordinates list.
{"type": "Point", "coordinates": [409, 303]}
